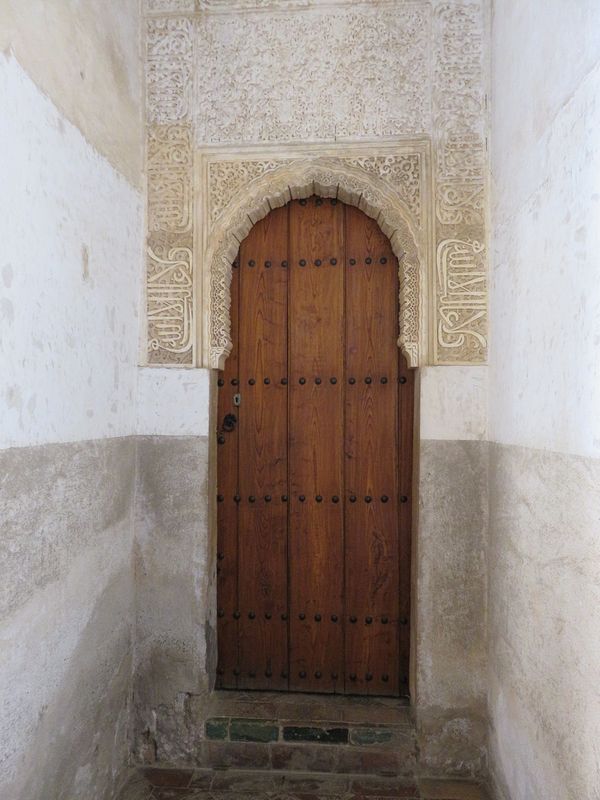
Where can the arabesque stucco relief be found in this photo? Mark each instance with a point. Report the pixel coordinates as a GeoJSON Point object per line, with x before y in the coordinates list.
{"type": "Point", "coordinates": [388, 182]}
{"type": "Point", "coordinates": [231, 85]}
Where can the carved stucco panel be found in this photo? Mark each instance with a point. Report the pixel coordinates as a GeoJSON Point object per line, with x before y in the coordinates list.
{"type": "Point", "coordinates": [170, 245]}
{"type": "Point", "coordinates": [401, 172]}
{"type": "Point", "coordinates": [293, 77]}
{"type": "Point", "coordinates": [170, 299]}
{"type": "Point", "coordinates": [430, 83]}
{"type": "Point", "coordinates": [285, 179]}
{"type": "Point", "coordinates": [166, 6]}
{"type": "Point", "coordinates": [169, 69]}
{"type": "Point", "coordinates": [460, 173]}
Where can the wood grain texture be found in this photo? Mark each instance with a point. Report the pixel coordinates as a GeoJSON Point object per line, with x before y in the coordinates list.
{"type": "Point", "coordinates": [263, 454]}
{"type": "Point", "coordinates": [227, 508]}
{"type": "Point", "coordinates": [316, 331]}
{"type": "Point", "coordinates": [371, 459]}
{"type": "Point", "coordinates": [319, 541]}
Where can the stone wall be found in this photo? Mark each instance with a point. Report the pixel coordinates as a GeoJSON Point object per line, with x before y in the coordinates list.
{"type": "Point", "coordinates": [544, 595]}
{"type": "Point", "coordinates": [69, 312]}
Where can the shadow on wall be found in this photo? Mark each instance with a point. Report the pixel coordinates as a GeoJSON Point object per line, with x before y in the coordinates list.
{"type": "Point", "coordinates": [80, 746]}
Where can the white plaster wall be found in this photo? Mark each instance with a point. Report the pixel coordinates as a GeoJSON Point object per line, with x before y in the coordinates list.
{"type": "Point", "coordinates": [545, 314]}
{"type": "Point", "coordinates": [70, 269]}
{"type": "Point", "coordinates": [453, 403]}
{"type": "Point", "coordinates": [544, 401]}
{"type": "Point", "coordinates": [85, 55]}
{"type": "Point", "coordinates": [173, 402]}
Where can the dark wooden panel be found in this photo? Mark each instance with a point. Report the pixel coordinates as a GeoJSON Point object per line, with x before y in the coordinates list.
{"type": "Point", "coordinates": [326, 417]}
{"type": "Point", "coordinates": [316, 605]}
{"type": "Point", "coordinates": [263, 454]}
{"type": "Point", "coordinates": [263, 358]}
{"type": "Point", "coordinates": [263, 596]}
{"type": "Point", "coordinates": [405, 478]}
{"type": "Point", "coordinates": [316, 443]}
{"type": "Point", "coordinates": [371, 463]}
{"type": "Point", "coordinates": [227, 509]}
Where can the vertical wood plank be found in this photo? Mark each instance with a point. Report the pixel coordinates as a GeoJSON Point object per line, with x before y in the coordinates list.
{"type": "Point", "coordinates": [227, 508]}
{"type": "Point", "coordinates": [371, 462]}
{"type": "Point", "coordinates": [263, 454]}
{"type": "Point", "coordinates": [405, 479]}
{"type": "Point", "coordinates": [315, 586]}
{"type": "Point", "coordinates": [316, 445]}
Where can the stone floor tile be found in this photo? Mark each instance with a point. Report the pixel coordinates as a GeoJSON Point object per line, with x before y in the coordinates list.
{"type": "Point", "coordinates": [450, 790]}
{"type": "Point", "coordinates": [236, 755]}
{"type": "Point", "coordinates": [246, 782]}
{"type": "Point", "coordinates": [136, 788]}
{"type": "Point", "coordinates": [317, 708]}
{"type": "Point", "coordinates": [172, 793]}
{"type": "Point", "coordinates": [238, 796]}
{"type": "Point", "coordinates": [328, 785]}
{"type": "Point", "coordinates": [202, 779]}
{"type": "Point", "coordinates": [159, 776]}
{"type": "Point", "coordinates": [367, 786]}
{"type": "Point", "coordinates": [304, 757]}
{"type": "Point", "coordinates": [382, 796]}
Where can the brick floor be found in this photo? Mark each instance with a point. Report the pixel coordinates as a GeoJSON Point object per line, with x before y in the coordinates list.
{"type": "Point", "coordinates": [182, 784]}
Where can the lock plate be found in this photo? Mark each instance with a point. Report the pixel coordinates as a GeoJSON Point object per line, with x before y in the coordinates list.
{"type": "Point", "coordinates": [237, 399]}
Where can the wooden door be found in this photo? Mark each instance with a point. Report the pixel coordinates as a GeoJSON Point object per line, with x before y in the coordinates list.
{"type": "Point", "coordinates": [314, 454]}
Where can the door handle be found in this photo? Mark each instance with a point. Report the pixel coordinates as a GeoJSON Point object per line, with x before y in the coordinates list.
{"type": "Point", "coordinates": [229, 422]}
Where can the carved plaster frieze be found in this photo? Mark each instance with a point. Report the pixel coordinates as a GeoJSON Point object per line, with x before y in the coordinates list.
{"type": "Point", "coordinates": [170, 178]}
{"type": "Point", "coordinates": [400, 171]}
{"type": "Point", "coordinates": [170, 187]}
{"type": "Point", "coordinates": [169, 69]}
{"type": "Point", "coordinates": [460, 203]}
{"type": "Point", "coordinates": [231, 6]}
{"type": "Point", "coordinates": [166, 6]}
{"type": "Point", "coordinates": [170, 299]}
{"type": "Point", "coordinates": [460, 174]}
{"type": "Point", "coordinates": [209, 84]}
{"type": "Point", "coordinates": [170, 264]}
{"type": "Point", "coordinates": [241, 200]}
{"type": "Point", "coordinates": [462, 287]}
{"type": "Point", "coordinates": [293, 76]}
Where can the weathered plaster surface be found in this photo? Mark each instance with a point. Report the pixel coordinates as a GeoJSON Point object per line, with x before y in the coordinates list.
{"type": "Point", "coordinates": [450, 607]}
{"type": "Point", "coordinates": [69, 300]}
{"type": "Point", "coordinates": [70, 273]}
{"type": "Point", "coordinates": [453, 403]}
{"type": "Point", "coordinates": [175, 603]}
{"type": "Point", "coordinates": [173, 402]}
{"type": "Point", "coordinates": [314, 97]}
{"type": "Point", "coordinates": [66, 613]}
{"type": "Point", "coordinates": [544, 623]}
{"type": "Point", "coordinates": [545, 381]}
{"type": "Point", "coordinates": [544, 562]}
{"type": "Point", "coordinates": [85, 57]}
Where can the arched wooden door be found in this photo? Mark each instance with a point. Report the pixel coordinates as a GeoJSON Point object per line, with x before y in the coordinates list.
{"type": "Point", "coordinates": [314, 460]}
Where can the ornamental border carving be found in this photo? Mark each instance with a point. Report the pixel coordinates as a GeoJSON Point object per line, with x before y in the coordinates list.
{"type": "Point", "coordinates": [428, 188]}
{"type": "Point", "coordinates": [390, 182]}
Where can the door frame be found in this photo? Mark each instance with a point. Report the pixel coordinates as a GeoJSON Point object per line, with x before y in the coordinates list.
{"type": "Point", "coordinates": [215, 421]}
{"type": "Point", "coordinates": [212, 653]}
{"type": "Point", "coordinates": [211, 615]}
{"type": "Point", "coordinates": [390, 181]}
{"type": "Point", "coordinates": [354, 173]}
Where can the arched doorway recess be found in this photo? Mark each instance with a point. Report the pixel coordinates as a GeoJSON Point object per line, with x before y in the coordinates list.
{"type": "Point", "coordinates": [314, 456]}
{"type": "Point", "coordinates": [404, 217]}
